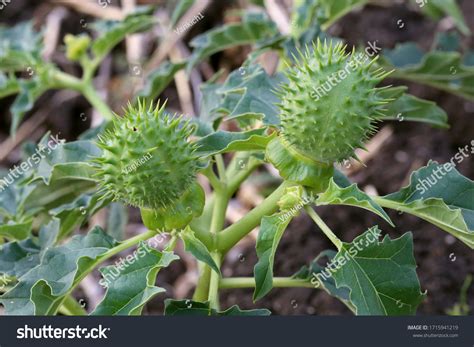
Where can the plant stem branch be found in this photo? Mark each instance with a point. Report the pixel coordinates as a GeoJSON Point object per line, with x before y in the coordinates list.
{"type": "Point", "coordinates": [249, 282]}
{"type": "Point", "coordinates": [213, 179]}
{"type": "Point", "coordinates": [234, 233]}
{"type": "Point", "coordinates": [213, 296]}
{"type": "Point", "coordinates": [95, 100]}
{"type": "Point", "coordinates": [85, 87]}
{"type": "Point", "coordinates": [221, 167]}
{"type": "Point", "coordinates": [323, 226]}
{"type": "Point", "coordinates": [237, 174]}
{"type": "Point", "coordinates": [201, 293]}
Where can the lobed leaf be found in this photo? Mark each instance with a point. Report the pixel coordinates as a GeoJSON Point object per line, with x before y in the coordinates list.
{"type": "Point", "coordinates": [196, 308]}
{"type": "Point", "coordinates": [16, 231]}
{"type": "Point", "coordinates": [225, 141]}
{"type": "Point", "coordinates": [254, 28]}
{"type": "Point", "coordinates": [159, 78]}
{"type": "Point", "coordinates": [66, 161]}
{"type": "Point", "coordinates": [439, 8]}
{"type": "Point", "coordinates": [445, 200]}
{"type": "Point", "coordinates": [181, 7]}
{"type": "Point", "coordinates": [41, 290]}
{"type": "Point", "coordinates": [8, 85]}
{"type": "Point", "coordinates": [75, 213]}
{"type": "Point", "coordinates": [249, 93]}
{"type": "Point", "coordinates": [20, 47]}
{"type": "Point", "coordinates": [29, 92]}
{"type": "Point", "coordinates": [135, 285]}
{"type": "Point", "coordinates": [269, 236]}
{"type": "Point", "coordinates": [117, 220]}
{"type": "Point", "coordinates": [333, 10]}
{"type": "Point", "coordinates": [351, 196]}
{"type": "Point", "coordinates": [112, 32]}
{"type": "Point", "coordinates": [439, 69]}
{"type": "Point", "coordinates": [381, 276]}
{"type": "Point", "coordinates": [312, 273]}
{"type": "Point", "coordinates": [410, 108]}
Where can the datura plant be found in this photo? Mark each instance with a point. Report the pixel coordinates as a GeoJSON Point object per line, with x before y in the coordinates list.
{"type": "Point", "coordinates": [316, 111]}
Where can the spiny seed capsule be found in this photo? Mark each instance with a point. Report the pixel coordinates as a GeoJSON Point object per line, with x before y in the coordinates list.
{"type": "Point", "coordinates": [330, 104]}
{"type": "Point", "coordinates": [147, 160]}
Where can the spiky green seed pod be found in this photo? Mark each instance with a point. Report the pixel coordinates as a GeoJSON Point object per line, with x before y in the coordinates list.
{"type": "Point", "coordinates": [147, 160]}
{"type": "Point", "coordinates": [328, 109]}
{"type": "Point", "coordinates": [330, 104]}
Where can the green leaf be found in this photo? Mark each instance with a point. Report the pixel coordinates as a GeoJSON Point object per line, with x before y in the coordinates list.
{"type": "Point", "coordinates": [8, 85]}
{"type": "Point", "coordinates": [48, 235]}
{"type": "Point", "coordinates": [313, 273]}
{"type": "Point", "coordinates": [12, 199]}
{"type": "Point", "coordinates": [439, 8]}
{"type": "Point", "coordinates": [236, 311]}
{"type": "Point", "coordinates": [117, 220]}
{"type": "Point", "coordinates": [17, 258]}
{"type": "Point", "coordinates": [194, 246]}
{"type": "Point", "coordinates": [181, 7]}
{"type": "Point", "coordinates": [29, 91]}
{"type": "Point", "coordinates": [20, 47]}
{"type": "Point", "coordinates": [113, 32]}
{"type": "Point", "coordinates": [16, 231]}
{"type": "Point", "coordinates": [57, 193]}
{"type": "Point", "coordinates": [159, 78]}
{"type": "Point", "coordinates": [269, 236]}
{"type": "Point", "coordinates": [333, 10]}
{"type": "Point", "coordinates": [66, 161]}
{"type": "Point", "coordinates": [439, 69]}
{"type": "Point", "coordinates": [135, 284]}
{"type": "Point", "coordinates": [304, 16]}
{"type": "Point", "coordinates": [41, 290]}
{"type": "Point", "coordinates": [410, 108]}
{"type": "Point", "coordinates": [75, 213]}
{"type": "Point", "coordinates": [196, 308]}
{"type": "Point", "coordinates": [447, 41]}
{"type": "Point", "coordinates": [441, 197]}
{"type": "Point", "coordinates": [381, 276]}
{"type": "Point", "coordinates": [254, 27]}
{"type": "Point", "coordinates": [225, 141]}
{"type": "Point", "coordinates": [248, 94]}
{"type": "Point", "coordinates": [351, 196]}
{"type": "Point", "coordinates": [210, 101]}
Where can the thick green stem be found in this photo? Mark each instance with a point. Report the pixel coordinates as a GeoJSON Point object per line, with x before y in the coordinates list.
{"type": "Point", "coordinates": [221, 201]}
{"type": "Point", "coordinates": [219, 211]}
{"type": "Point", "coordinates": [85, 87]}
{"type": "Point", "coordinates": [325, 229]}
{"type": "Point", "coordinates": [235, 176]}
{"type": "Point", "coordinates": [237, 231]}
{"type": "Point", "coordinates": [202, 288]}
{"type": "Point", "coordinates": [221, 167]}
{"type": "Point", "coordinates": [213, 296]}
{"type": "Point", "coordinates": [249, 282]}
{"type": "Point", "coordinates": [91, 95]}
{"type": "Point", "coordinates": [63, 80]}
{"type": "Point", "coordinates": [236, 173]}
